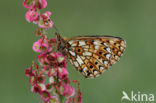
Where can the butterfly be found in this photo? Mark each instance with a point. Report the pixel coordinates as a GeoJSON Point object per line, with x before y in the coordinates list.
{"type": "Point", "coordinates": [91, 55]}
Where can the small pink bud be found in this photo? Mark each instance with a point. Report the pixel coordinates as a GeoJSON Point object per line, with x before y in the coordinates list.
{"type": "Point", "coordinates": [53, 56]}
{"type": "Point", "coordinates": [32, 80]}
{"type": "Point", "coordinates": [54, 99]}
{"type": "Point", "coordinates": [41, 4]}
{"type": "Point", "coordinates": [49, 87]}
{"type": "Point", "coordinates": [70, 92]}
{"type": "Point", "coordinates": [31, 15]}
{"type": "Point", "coordinates": [67, 90]}
{"type": "Point", "coordinates": [51, 80]}
{"type": "Point", "coordinates": [29, 72]}
{"type": "Point", "coordinates": [60, 58]}
{"type": "Point", "coordinates": [52, 41]}
{"type": "Point", "coordinates": [45, 95]}
{"type": "Point", "coordinates": [37, 46]}
{"type": "Point", "coordinates": [45, 69]}
{"type": "Point", "coordinates": [43, 61]}
{"type": "Point", "coordinates": [42, 45]}
{"type": "Point", "coordinates": [63, 73]}
{"type": "Point", "coordinates": [35, 88]}
{"type": "Point", "coordinates": [78, 98]}
{"type": "Point", "coordinates": [29, 4]}
{"type": "Point", "coordinates": [40, 78]}
{"type": "Point", "coordinates": [43, 87]}
{"type": "Point", "coordinates": [48, 13]}
{"type": "Point", "coordinates": [52, 72]}
{"type": "Point", "coordinates": [70, 100]}
{"type": "Point", "coordinates": [45, 21]}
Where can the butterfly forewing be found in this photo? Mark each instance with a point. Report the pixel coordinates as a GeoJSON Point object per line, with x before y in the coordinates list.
{"type": "Point", "coordinates": [91, 56]}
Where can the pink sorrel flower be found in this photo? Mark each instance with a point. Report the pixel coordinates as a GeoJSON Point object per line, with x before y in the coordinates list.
{"type": "Point", "coordinates": [45, 21]}
{"type": "Point", "coordinates": [45, 95]}
{"type": "Point", "coordinates": [32, 15]}
{"type": "Point", "coordinates": [49, 78]}
{"type": "Point", "coordinates": [29, 4]}
{"type": "Point", "coordinates": [52, 42]}
{"type": "Point", "coordinates": [60, 58]}
{"type": "Point", "coordinates": [42, 45]}
{"type": "Point", "coordinates": [41, 4]}
{"type": "Point", "coordinates": [54, 99]}
{"type": "Point", "coordinates": [37, 46]}
{"type": "Point", "coordinates": [62, 73]}
{"type": "Point", "coordinates": [66, 90]}
{"type": "Point", "coordinates": [49, 87]}
{"type": "Point", "coordinates": [29, 72]}
{"type": "Point", "coordinates": [40, 78]}
{"type": "Point", "coordinates": [37, 88]}
{"type": "Point", "coordinates": [52, 72]}
{"type": "Point", "coordinates": [69, 100]}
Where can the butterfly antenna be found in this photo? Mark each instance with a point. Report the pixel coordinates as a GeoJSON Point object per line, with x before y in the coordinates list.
{"type": "Point", "coordinates": [58, 37]}
{"type": "Point", "coordinates": [56, 30]}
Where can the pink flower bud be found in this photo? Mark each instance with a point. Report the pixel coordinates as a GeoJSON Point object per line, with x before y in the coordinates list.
{"type": "Point", "coordinates": [35, 88]}
{"type": "Point", "coordinates": [45, 69]}
{"type": "Point", "coordinates": [42, 45]}
{"type": "Point", "coordinates": [53, 56]}
{"type": "Point", "coordinates": [60, 58]}
{"type": "Point", "coordinates": [54, 99]}
{"type": "Point", "coordinates": [49, 87]}
{"type": "Point", "coordinates": [45, 95]}
{"type": "Point", "coordinates": [67, 90]}
{"type": "Point", "coordinates": [52, 72]}
{"type": "Point", "coordinates": [45, 21]}
{"type": "Point", "coordinates": [62, 73]}
{"type": "Point", "coordinates": [29, 72]}
{"type": "Point", "coordinates": [52, 42]}
{"type": "Point", "coordinates": [37, 46]}
{"type": "Point", "coordinates": [51, 80]}
{"type": "Point", "coordinates": [32, 80]}
{"type": "Point", "coordinates": [43, 87]}
{"type": "Point", "coordinates": [31, 15]}
{"type": "Point", "coordinates": [29, 4]}
{"type": "Point", "coordinates": [40, 78]}
{"type": "Point", "coordinates": [43, 61]}
{"type": "Point", "coordinates": [78, 98]}
{"type": "Point", "coordinates": [70, 100]}
{"type": "Point", "coordinates": [41, 4]}
{"type": "Point", "coordinates": [48, 13]}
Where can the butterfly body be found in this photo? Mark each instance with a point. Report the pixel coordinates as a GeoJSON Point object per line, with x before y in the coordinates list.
{"type": "Point", "coordinates": [91, 55]}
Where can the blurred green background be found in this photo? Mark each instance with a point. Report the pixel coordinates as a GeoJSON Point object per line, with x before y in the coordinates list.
{"type": "Point", "coordinates": [133, 20]}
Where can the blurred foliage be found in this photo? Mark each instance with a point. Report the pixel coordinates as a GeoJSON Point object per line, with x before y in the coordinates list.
{"type": "Point", "coordinates": [133, 20]}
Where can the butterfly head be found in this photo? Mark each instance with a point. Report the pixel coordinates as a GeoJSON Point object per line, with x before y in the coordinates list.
{"type": "Point", "coordinates": [61, 43]}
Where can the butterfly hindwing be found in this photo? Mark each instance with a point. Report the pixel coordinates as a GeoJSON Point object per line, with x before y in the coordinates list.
{"type": "Point", "coordinates": [91, 56]}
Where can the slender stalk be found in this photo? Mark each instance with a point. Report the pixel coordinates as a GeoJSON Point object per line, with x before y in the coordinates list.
{"type": "Point", "coordinates": [61, 98]}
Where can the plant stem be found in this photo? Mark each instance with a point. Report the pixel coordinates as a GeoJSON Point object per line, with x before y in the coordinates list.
{"type": "Point", "coordinates": [61, 98]}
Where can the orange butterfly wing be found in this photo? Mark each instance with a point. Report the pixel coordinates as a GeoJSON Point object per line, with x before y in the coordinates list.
{"type": "Point", "coordinates": [91, 56]}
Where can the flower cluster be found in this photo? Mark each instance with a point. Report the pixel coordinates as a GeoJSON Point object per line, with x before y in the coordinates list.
{"type": "Point", "coordinates": [33, 15]}
{"type": "Point", "coordinates": [49, 77]}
